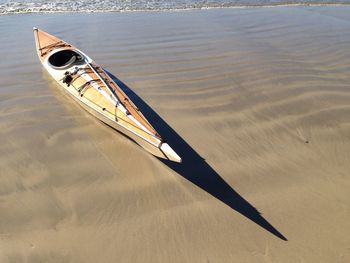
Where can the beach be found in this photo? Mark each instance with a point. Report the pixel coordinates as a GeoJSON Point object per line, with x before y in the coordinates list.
{"type": "Point", "coordinates": [254, 100]}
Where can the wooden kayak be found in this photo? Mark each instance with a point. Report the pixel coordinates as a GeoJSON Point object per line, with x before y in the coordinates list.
{"type": "Point", "coordinates": [90, 86]}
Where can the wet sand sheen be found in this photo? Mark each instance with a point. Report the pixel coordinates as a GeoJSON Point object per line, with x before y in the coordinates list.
{"type": "Point", "coordinates": [237, 92]}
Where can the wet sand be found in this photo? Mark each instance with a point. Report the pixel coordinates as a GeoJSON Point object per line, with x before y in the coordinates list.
{"type": "Point", "coordinates": [255, 100]}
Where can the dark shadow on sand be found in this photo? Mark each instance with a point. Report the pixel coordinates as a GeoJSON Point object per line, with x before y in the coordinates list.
{"type": "Point", "coordinates": [195, 169]}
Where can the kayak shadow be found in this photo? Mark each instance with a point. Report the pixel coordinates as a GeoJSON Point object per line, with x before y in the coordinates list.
{"type": "Point", "coordinates": [195, 169]}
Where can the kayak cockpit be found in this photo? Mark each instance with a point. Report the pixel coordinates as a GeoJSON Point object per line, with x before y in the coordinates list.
{"type": "Point", "coordinates": [64, 58]}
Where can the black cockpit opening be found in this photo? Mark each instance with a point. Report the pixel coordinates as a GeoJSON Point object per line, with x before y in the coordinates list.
{"type": "Point", "coordinates": [64, 58]}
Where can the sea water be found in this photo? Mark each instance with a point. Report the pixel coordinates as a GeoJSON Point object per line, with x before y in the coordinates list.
{"type": "Point", "coordinates": [36, 6]}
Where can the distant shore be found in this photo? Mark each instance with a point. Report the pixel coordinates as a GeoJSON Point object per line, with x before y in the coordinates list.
{"type": "Point", "coordinates": [5, 10]}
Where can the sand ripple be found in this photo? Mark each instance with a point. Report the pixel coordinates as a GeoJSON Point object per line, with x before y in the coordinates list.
{"type": "Point", "coordinates": [262, 95]}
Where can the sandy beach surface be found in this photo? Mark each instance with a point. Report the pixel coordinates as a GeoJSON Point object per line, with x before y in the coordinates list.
{"type": "Point", "coordinates": [255, 100]}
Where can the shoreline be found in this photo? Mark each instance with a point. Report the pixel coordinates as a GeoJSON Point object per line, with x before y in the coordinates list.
{"type": "Point", "coordinates": [170, 10]}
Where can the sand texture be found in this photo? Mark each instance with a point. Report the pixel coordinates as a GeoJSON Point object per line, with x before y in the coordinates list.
{"type": "Point", "coordinates": [256, 101]}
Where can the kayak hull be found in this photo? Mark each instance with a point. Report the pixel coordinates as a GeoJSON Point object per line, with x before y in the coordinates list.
{"type": "Point", "coordinates": [156, 151]}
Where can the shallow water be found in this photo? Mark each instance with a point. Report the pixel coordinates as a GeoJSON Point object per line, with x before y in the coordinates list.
{"type": "Point", "coordinates": [259, 99]}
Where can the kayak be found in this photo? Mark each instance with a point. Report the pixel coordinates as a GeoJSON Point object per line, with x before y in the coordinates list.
{"type": "Point", "coordinates": [92, 88]}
